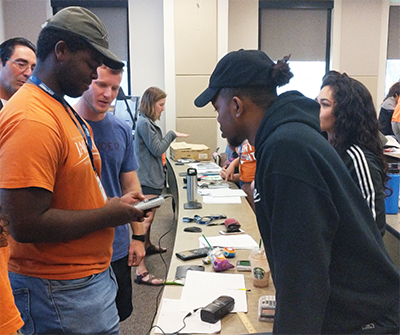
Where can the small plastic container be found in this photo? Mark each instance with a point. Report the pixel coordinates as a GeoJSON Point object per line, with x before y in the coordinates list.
{"type": "Point", "coordinates": [259, 268]}
{"type": "Point", "coordinates": [218, 260]}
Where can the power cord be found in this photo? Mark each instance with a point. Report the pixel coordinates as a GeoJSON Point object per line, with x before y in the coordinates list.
{"type": "Point", "coordinates": [174, 221]}
{"type": "Point", "coordinates": [183, 321]}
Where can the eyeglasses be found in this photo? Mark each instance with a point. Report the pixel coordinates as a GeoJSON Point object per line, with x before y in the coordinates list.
{"type": "Point", "coordinates": [204, 219]}
{"type": "Point", "coordinates": [23, 66]}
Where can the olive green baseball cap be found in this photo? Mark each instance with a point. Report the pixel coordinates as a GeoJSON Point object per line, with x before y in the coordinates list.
{"type": "Point", "coordinates": [83, 22]}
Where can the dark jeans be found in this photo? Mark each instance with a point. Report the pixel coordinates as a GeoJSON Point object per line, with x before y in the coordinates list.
{"type": "Point", "coordinates": [124, 294]}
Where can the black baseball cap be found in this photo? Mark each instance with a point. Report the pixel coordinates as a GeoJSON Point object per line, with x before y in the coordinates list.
{"type": "Point", "coordinates": [242, 68]}
{"type": "Point", "coordinates": [83, 22]}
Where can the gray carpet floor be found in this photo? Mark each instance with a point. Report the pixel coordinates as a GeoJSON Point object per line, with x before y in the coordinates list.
{"type": "Point", "coordinates": [146, 298]}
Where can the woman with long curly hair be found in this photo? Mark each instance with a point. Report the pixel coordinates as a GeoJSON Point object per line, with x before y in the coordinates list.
{"type": "Point", "coordinates": [349, 118]}
{"type": "Point", "coordinates": [10, 318]}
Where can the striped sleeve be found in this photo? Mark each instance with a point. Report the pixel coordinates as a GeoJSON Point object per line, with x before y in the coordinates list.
{"type": "Point", "coordinates": [362, 171]}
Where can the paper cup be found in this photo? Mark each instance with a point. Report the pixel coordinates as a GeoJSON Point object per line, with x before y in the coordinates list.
{"type": "Point", "coordinates": [259, 268]}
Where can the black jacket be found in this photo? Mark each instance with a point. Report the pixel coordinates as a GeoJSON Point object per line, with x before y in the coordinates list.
{"type": "Point", "coordinates": [330, 268]}
{"type": "Point", "coordinates": [385, 116]}
{"type": "Point", "coordinates": [367, 172]}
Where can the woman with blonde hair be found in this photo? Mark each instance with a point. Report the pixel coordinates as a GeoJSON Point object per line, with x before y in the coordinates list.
{"type": "Point", "coordinates": [150, 147]}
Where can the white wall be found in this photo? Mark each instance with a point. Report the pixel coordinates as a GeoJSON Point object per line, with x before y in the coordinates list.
{"type": "Point", "coordinates": [146, 39]}
{"type": "Point", "coordinates": [146, 44]}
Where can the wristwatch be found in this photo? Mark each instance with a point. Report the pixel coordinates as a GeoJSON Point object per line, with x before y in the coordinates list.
{"type": "Point", "coordinates": [138, 237]}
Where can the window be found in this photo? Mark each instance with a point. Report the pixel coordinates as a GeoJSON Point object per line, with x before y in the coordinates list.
{"type": "Point", "coordinates": [393, 51]}
{"type": "Point", "coordinates": [301, 29]}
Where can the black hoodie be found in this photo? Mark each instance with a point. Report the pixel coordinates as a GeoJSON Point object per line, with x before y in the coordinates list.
{"type": "Point", "coordinates": [330, 268]}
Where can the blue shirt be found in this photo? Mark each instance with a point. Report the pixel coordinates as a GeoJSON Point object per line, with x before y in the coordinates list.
{"type": "Point", "coordinates": [113, 139]}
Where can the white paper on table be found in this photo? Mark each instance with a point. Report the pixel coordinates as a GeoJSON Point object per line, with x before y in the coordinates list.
{"type": "Point", "coordinates": [224, 192]}
{"type": "Point", "coordinates": [221, 200]}
{"type": "Point", "coordinates": [242, 241]}
{"type": "Point", "coordinates": [171, 316]}
{"type": "Point", "coordinates": [201, 288]}
{"type": "Point", "coordinates": [391, 142]}
{"type": "Point", "coordinates": [206, 168]}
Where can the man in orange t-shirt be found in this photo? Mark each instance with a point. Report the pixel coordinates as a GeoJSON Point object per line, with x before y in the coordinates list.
{"type": "Point", "coordinates": [10, 319]}
{"type": "Point", "coordinates": [396, 121]}
{"type": "Point", "coordinates": [247, 169]}
{"type": "Point", "coordinates": [60, 220]}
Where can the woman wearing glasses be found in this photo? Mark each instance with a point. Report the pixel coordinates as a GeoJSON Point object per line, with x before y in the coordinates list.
{"type": "Point", "coordinates": [348, 116]}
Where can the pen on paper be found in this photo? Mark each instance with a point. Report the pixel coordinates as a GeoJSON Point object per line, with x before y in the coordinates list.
{"type": "Point", "coordinates": [241, 289]}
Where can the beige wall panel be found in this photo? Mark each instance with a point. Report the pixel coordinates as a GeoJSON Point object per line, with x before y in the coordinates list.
{"type": "Point", "coordinates": [188, 88]}
{"type": "Point", "coordinates": [202, 131]}
{"type": "Point", "coordinates": [243, 24]}
{"type": "Point", "coordinates": [360, 38]}
{"type": "Point", "coordinates": [195, 36]}
{"type": "Point", "coordinates": [371, 83]}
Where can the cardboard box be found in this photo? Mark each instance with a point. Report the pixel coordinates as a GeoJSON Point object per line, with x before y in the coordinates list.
{"type": "Point", "coordinates": [198, 152]}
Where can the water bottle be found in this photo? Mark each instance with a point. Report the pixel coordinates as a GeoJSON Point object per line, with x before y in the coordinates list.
{"type": "Point", "coordinates": [191, 186]}
{"type": "Point", "coordinates": [392, 201]}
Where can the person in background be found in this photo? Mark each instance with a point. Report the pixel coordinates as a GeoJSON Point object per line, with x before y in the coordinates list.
{"type": "Point", "coordinates": [247, 163]}
{"type": "Point", "coordinates": [61, 223]}
{"type": "Point", "coordinates": [348, 116]}
{"type": "Point", "coordinates": [232, 158]}
{"type": "Point", "coordinates": [18, 60]}
{"type": "Point", "coordinates": [387, 108]}
{"type": "Point", "coordinates": [150, 147]}
{"type": "Point", "coordinates": [113, 139]}
{"type": "Point", "coordinates": [396, 121]}
{"type": "Point", "coordinates": [329, 265]}
{"type": "Point", "coordinates": [231, 155]}
{"type": "Point", "coordinates": [10, 318]}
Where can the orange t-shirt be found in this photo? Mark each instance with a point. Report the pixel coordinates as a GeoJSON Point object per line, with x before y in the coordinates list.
{"type": "Point", "coordinates": [396, 112]}
{"type": "Point", "coordinates": [10, 319]}
{"type": "Point", "coordinates": [248, 163]}
{"type": "Point", "coordinates": [41, 146]}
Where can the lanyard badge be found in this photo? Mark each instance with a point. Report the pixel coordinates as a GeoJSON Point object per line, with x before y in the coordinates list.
{"type": "Point", "coordinates": [103, 192]}
{"type": "Point", "coordinates": [85, 134]}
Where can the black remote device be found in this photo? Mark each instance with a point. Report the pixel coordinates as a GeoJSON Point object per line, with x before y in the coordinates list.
{"type": "Point", "coordinates": [193, 253]}
{"type": "Point", "coordinates": [217, 309]}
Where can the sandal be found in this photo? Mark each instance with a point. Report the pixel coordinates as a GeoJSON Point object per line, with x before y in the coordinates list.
{"type": "Point", "coordinates": [153, 250]}
{"type": "Point", "coordinates": [150, 281]}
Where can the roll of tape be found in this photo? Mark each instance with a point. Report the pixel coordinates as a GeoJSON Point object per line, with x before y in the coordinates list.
{"type": "Point", "coordinates": [229, 252]}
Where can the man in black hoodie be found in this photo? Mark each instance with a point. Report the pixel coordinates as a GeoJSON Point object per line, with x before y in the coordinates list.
{"type": "Point", "coordinates": [330, 268]}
